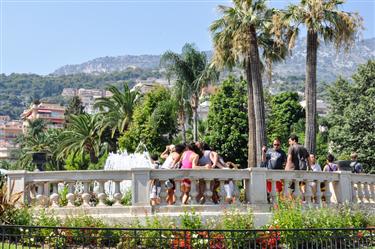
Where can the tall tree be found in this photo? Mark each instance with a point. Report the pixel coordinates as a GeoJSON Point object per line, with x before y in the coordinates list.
{"type": "Point", "coordinates": [81, 137]}
{"type": "Point", "coordinates": [352, 116]}
{"type": "Point", "coordinates": [117, 110]}
{"type": "Point", "coordinates": [181, 95]}
{"type": "Point", "coordinates": [322, 18]}
{"type": "Point", "coordinates": [285, 111]}
{"type": "Point", "coordinates": [192, 72]}
{"type": "Point", "coordinates": [235, 37]}
{"type": "Point", "coordinates": [227, 126]}
{"type": "Point", "coordinates": [154, 124]}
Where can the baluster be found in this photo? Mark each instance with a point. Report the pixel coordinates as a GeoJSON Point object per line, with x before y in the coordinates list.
{"type": "Point", "coordinates": [318, 194]}
{"type": "Point", "coordinates": [193, 191]}
{"type": "Point", "coordinates": [117, 196]}
{"type": "Point", "coordinates": [354, 192]}
{"type": "Point", "coordinates": [208, 192]}
{"type": "Point", "coordinates": [54, 198]}
{"type": "Point", "coordinates": [101, 194]}
{"type": "Point", "coordinates": [33, 190]}
{"type": "Point", "coordinates": [222, 193]}
{"type": "Point", "coordinates": [236, 193]}
{"type": "Point", "coordinates": [308, 191]}
{"type": "Point", "coordinates": [228, 189]}
{"type": "Point", "coordinates": [366, 192]}
{"type": "Point", "coordinates": [86, 195]}
{"type": "Point", "coordinates": [372, 192]}
{"type": "Point", "coordinates": [297, 191]}
{"type": "Point", "coordinates": [70, 196]}
{"type": "Point", "coordinates": [163, 193]}
{"type": "Point", "coordinates": [360, 192]}
{"type": "Point", "coordinates": [39, 196]}
{"type": "Point", "coordinates": [178, 192]}
{"type": "Point", "coordinates": [46, 195]}
{"type": "Point", "coordinates": [273, 190]}
{"type": "Point", "coordinates": [286, 189]}
{"type": "Point", "coordinates": [327, 193]}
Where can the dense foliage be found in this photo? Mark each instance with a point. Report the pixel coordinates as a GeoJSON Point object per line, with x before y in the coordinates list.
{"type": "Point", "coordinates": [352, 115]}
{"type": "Point", "coordinates": [285, 111]}
{"type": "Point", "coordinates": [227, 127]}
{"type": "Point", "coordinates": [154, 122]}
{"type": "Point", "coordinates": [18, 90]}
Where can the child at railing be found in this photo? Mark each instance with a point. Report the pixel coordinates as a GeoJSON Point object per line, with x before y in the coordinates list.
{"type": "Point", "coordinates": [155, 184]}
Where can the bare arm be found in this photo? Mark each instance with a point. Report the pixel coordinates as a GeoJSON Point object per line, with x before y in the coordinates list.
{"type": "Point", "coordinates": [214, 157]}
{"type": "Point", "coordinates": [289, 162]}
{"type": "Point", "coordinates": [264, 150]}
{"type": "Point", "coordinates": [165, 153]}
{"type": "Point", "coordinates": [195, 164]}
{"type": "Point", "coordinates": [176, 158]}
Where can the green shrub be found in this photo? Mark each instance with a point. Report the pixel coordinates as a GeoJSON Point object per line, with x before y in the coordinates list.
{"type": "Point", "coordinates": [289, 214]}
{"type": "Point", "coordinates": [127, 198]}
{"type": "Point", "coordinates": [191, 220]}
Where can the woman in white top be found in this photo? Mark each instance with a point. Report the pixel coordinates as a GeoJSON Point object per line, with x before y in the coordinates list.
{"type": "Point", "coordinates": [172, 155]}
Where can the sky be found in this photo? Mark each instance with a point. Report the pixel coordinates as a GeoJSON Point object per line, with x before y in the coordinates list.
{"type": "Point", "coordinates": [39, 36]}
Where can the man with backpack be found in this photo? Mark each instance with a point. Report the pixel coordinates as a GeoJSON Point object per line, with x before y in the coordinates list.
{"type": "Point", "coordinates": [297, 158]}
{"type": "Point", "coordinates": [355, 165]}
{"type": "Point", "coordinates": [297, 155]}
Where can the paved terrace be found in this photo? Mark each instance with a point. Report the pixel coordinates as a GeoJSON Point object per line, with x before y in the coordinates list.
{"type": "Point", "coordinates": [41, 189]}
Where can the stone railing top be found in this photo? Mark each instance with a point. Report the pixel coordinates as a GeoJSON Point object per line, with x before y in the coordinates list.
{"type": "Point", "coordinates": [78, 175]}
{"type": "Point", "coordinates": [223, 174]}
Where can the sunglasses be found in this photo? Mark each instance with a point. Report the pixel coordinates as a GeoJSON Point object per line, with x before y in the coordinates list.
{"type": "Point", "coordinates": [276, 144]}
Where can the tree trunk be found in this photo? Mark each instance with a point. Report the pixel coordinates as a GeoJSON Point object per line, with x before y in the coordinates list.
{"type": "Point", "coordinates": [251, 154]}
{"type": "Point", "coordinates": [310, 90]}
{"type": "Point", "coordinates": [195, 118]}
{"type": "Point", "coordinates": [269, 71]}
{"type": "Point", "coordinates": [258, 95]}
{"type": "Point", "coordinates": [93, 157]}
{"type": "Point", "coordinates": [182, 124]}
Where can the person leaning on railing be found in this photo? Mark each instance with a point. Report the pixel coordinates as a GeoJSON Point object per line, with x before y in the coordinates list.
{"type": "Point", "coordinates": [189, 160]}
{"type": "Point", "coordinates": [172, 155]}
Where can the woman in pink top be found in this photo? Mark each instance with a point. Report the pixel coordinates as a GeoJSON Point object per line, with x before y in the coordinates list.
{"type": "Point", "coordinates": [189, 160]}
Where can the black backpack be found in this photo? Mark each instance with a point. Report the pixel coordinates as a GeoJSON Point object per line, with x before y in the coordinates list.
{"type": "Point", "coordinates": [302, 155]}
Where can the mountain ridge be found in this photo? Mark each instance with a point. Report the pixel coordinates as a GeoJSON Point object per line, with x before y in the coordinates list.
{"type": "Point", "coordinates": [330, 63]}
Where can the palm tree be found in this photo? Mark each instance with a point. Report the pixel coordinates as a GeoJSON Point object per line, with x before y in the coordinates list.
{"type": "Point", "coordinates": [192, 72]}
{"type": "Point", "coordinates": [236, 40]}
{"type": "Point", "coordinates": [36, 127]}
{"type": "Point", "coordinates": [117, 110]}
{"type": "Point", "coordinates": [322, 19]}
{"type": "Point", "coordinates": [81, 136]}
{"type": "Point", "coordinates": [184, 108]}
{"type": "Point", "coordinates": [272, 51]}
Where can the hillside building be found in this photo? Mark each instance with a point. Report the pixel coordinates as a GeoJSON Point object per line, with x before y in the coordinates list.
{"type": "Point", "coordinates": [9, 131]}
{"type": "Point", "coordinates": [321, 107]}
{"type": "Point", "coordinates": [53, 114]}
{"type": "Point", "coordinates": [87, 97]}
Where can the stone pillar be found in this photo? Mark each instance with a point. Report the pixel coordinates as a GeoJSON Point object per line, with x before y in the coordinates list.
{"type": "Point", "coordinates": [256, 191]}
{"type": "Point", "coordinates": [140, 187]}
{"type": "Point", "coordinates": [343, 188]}
{"type": "Point", "coordinates": [16, 183]}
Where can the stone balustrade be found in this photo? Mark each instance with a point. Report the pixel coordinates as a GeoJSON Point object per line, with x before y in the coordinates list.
{"type": "Point", "coordinates": [91, 188]}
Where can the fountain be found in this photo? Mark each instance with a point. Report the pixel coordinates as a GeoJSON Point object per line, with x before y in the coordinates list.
{"type": "Point", "coordinates": [125, 161]}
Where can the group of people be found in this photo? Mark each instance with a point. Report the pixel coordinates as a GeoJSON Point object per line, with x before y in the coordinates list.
{"type": "Point", "coordinates": [189, 156]}
{"type": "Point", "coordinates": [200, 156]}
{"type": "Point", "coordinates": [298, 158]}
